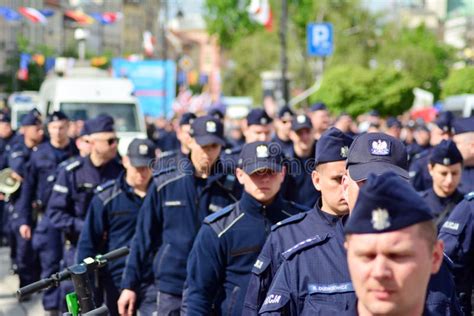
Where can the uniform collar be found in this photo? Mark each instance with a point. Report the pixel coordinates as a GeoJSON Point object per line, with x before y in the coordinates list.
{"type": "Point", "coordinates": [249, 204]}
{"type": "Point", "coordinates": [328, 218]}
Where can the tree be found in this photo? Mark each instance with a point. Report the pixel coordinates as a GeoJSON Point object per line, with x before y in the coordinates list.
{"type": "Point", "coordinates": [356, 89]}
{"type": "Point", "coordinates": [459, 81]}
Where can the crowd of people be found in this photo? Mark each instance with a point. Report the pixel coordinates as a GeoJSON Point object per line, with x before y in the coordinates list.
{"type": "Point", "coordinates": [303, 213]}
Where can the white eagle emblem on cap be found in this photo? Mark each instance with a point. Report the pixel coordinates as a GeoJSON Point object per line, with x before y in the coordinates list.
{"type": "Point", "coordinates": [143, 149]}
{"type": "Point", "coordinates": [344, 151]}
{"type": "Point", "coordinates": [380, 148]}
{"type": "Point", "coordinates": [262, 151]}
{"type": "Point", "coordinates": [301, 119]}
{"type": "Point", "coordinates": [211, 127]}
{"type": "Point", "coordinates": [380, 219]}
{"type": "Point", "coordinates": [263, 121]}
{"type": "Point", "coordinates": [446, 161]}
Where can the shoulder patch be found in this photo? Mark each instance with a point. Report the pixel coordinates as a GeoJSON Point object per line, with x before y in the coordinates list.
{"type": "Point", "coordinates": [105, 185]}
{"type": "Point", "coordinates": [469, 196]}
{"type": "Point", "coordinates": [73, 165]}
{"type": "Point", "coordinates": [108, 191]}
{"type": "Point", "coordinates": [290, 220]}
{"type": "Point", "coordinates": [302, 245]}
{"type": "Point", "coordinates": [213, 217]}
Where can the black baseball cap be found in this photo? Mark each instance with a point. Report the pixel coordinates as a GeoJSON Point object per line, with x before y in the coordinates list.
{"type": "Point", "coordinates": [376, 153]}
{"type": "Point", "coordinates": [258, 117]}
{"type": "Point", "coordinates": [141, 152]}
{"type": "Point", "coordinates": [300, 121]}
{"type": "Point", "coordinates": [207, 130]}
{"type": "Point", "coordinates": [260, 156]}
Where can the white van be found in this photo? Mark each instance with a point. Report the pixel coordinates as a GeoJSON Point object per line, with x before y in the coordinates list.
{"type": "Point", "coordinates": [20, 103]}
{"type": "Point", "coordinates": [81, 98]}
{"type": "Point", "coordinates": [461, 105]}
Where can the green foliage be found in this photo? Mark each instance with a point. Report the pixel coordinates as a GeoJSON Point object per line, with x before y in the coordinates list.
{"type": "Point", "coordinates": [356, 89]}
{"type": "Point", "coordinates": [459, 81]}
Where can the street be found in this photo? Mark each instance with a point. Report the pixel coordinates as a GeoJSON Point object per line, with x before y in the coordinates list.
{"type": "Point", "coordinates": [8, 285]}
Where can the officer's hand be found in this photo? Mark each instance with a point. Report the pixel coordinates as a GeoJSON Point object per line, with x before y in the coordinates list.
{"type": "Point", "coordinates": [25, 232]}
{"type": "Point", "coordinates": [16, 176]}
{"type": "Point", "coordinates": [126, 302]}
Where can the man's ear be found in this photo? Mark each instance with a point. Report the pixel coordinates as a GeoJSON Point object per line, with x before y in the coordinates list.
{"type": "Point", "coordinates": [316, 178]}
{"type": "Point", "coordinates": [239, 173]}
{"type": "Point", "coordinates": [430, 169]}
{"type": "Point", "coordinates": [345, 187]}
{"type": "Point", "coordinates": [438, 256]}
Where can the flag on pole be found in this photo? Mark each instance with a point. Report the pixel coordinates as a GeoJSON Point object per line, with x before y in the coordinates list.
{"type": "Point", "coordinates": [33, 15]}
{"type": "Point", "coordinates": [22, 73]}
{"type": "Point", "coordinates": [78, 17]}
{"type": "Point", "coordinates": [9, 14]}
{"type": "Point", "coordinates": [260, 12]}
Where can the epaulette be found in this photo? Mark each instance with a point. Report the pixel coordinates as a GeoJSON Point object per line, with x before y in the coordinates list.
{"type": "Point", "coordinates": [233, 150]}
{"type": "Point", "coordinates": [168, 153]}
{"type": "Point", "coordinates": [423, 194]}
{"type": "Point", "coordinates": [108, 190]}
{"type": "Point", "coordinates": [469, 196]}
{"type": "Point", "coordinates": [290, 220]}
{"type": "Point", "coordinates": [73, 165]}
{"type": "Point", "coordinates": [165, 176]}
{"type": "Point", "coordinates": [164, 171]}
{"type": "Point", "coordinates": [105, 185]}
{"type": "Point", "coordinates": [302, 245]}
{"type": "Point", "coordinates": [66, 162]}
{"type": "Point", "coordinates": [213, 217]}
{"type": "Point", "coordinates": [298, 206]}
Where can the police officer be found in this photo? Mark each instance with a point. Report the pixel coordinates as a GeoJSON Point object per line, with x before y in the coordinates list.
{"type": "Point", "coordinates": [298, 185]}
{"type": "Point", "coordinates": [464, 139]}
{"type": "Point", "coordinates": [392, 248]}
{"type": "Point", "coordinates": [111, 219]}
{"type": "Point", "coordinates": [394, 127]}
{"type": "Point", "coordinates": [282, 130]}
{"type": "Point", "coordinates": [320, 119]}
{"type": "Point", "coordinates": [421, 139]}
{"type": "Point", "coordinates": [445, 168]}
{"type": "Point", "coordinates": [228, 243]}
{"type": "Point", "coordinates": [344, 123]}
{"type": "Point", "coordinates": [257, 127]}
{"type": "Point", "coordinates": [442, 129]}
{"type": "Point", "coordinates": [458, 236]}
{"type": "Point", "coordinates": [7, 139]}
{"type": "Point", "coordinates": [177, 202]}
{"type": "Point", "coordinates": [75, 184]}
{"type": "Point", "coordinates": [168, 159]}
{"type": "Point", "coordinates": [330, 157]}
{"type": "Point", "coordinates": [18, 161]}
{"type": "Point", "coordinates": [35, 192]}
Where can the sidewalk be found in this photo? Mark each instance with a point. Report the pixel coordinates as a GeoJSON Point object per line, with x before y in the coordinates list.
{"type": "Point", "coordinates": [9, 305]}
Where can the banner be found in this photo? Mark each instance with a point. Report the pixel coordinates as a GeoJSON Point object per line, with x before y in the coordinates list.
{"type": "Point", "coordinates": [154, 83]}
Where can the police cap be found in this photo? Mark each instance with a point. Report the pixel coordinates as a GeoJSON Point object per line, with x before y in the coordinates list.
{"type": "Point", "coordinates": [393, 122]}
{"type": "Point", "coordinates": [300, 121]}
{"type": "Point", "coordinates": [258, 117]}
{"type": "Point", "coordinates": [33, 117]}
{"type": "Point", "coordinates": [381, 208]}
{"type": "Point", "coordinates": [207, 130]}
{"type": "Point", "coordinates": [463, 125]}
{"type": "Point", "coordinates": [285, 113]}
{"type": "Point", "coordinates": [376, 153]}
{"type": "Point", "coordinates": [101, 123]}
{"type": "Point", "coordinates": [332, 146]}
{"type": "Point", "coordinates": [318, 106]}
{"type": "Point", "coordinates": [186, 118]}
{"type": "Point", "coordinates": [5, 117]}
{"type": "Point", "coordinates": [57, 116]}
{"type": "Point", "coordinates": [259, 156]}
{"type": "Point", "coordinates": [445, 121]}
{"type": "Point", "coordinates": [141, 152]}
{"type": "Point", "coordinates": [217, 113]}
{"type": "Point", "coordinates": [445, 153]}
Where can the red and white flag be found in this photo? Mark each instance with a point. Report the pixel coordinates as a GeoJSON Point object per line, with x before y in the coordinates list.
{"type": "Point", "coordinates": [148, 43]}
{"type": "Point", "coordinates": [260, 12]}
{"type": "Point", "coordinates": [33, 15]}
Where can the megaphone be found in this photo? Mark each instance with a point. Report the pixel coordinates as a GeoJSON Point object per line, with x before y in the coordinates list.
{"type": "Point", "coordinates": [8, 185]}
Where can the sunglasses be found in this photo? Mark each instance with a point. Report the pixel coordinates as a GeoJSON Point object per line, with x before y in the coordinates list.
{"type": "Point", "coordinates": [113, 140]}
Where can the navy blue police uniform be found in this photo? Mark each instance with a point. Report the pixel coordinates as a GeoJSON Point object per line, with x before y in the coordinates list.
{"type": "Point", "coordinates": [73, 191]}
{"type": "Point", "coordinates": [298, 186]}
{"type": "Point", "coordinates": [19, 160]}
{"type": "Point", "coordinates": [175, 206]}
{"type": "Point", "coordinates": [446, 154]}
{"type": "Point", "coordinates": [35, 192]}
{"type": "Point", "coordinates": [458, 236]}
{"type": "Point", "coordinates": [230, 156]}
{"type": "Point", "coordinates": [380, 209]}
{"type": "Point", "coordinates": [285, 114]}
{"type": "Point", "coordinates": [332, 146]}
{"type": "Point", "coordinates": [420, 177]}
{"type": "Point", "coordinates": [169, 159]}
{"type": "Point", "coordinates": [461, 126]}
{"type": "Point", "coordinates": [229, 241]}
{"type": "Point", "coordinates": [110, 224]}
